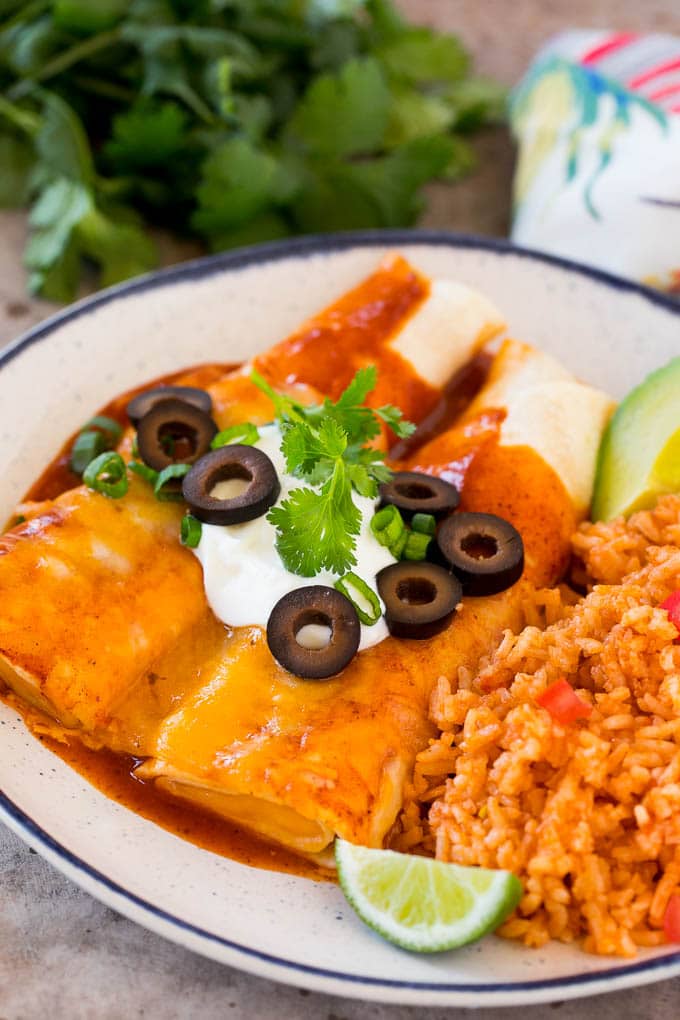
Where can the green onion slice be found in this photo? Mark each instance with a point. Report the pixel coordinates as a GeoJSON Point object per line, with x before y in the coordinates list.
{"type": "Point", "coordinates": [246, 433]}
{"type": "Point", "coordinates": [97, 435]}
{"type": "Point", "coordinates": [161, 489]}
{"type": "Point", "coordinates": [424, 523]}
{"type": "Point", "coordinates": [88, 445]}
{"type": "Point", "coordinates": [363, 595]}
{"type": "Point", "coordinates": [388, 527]}
{"type": "Point", "coordinates": [144, 471]}
{"type": "Point", "coordinates": [112, 429]}
{"type": "Point", "coordinates": [397, 548]}
{"type": "Point", "coordinates": [416, 545]}
{"type": "Point", "coordinates": [190, 532]}
{"type": "Point", "coordinates": [107, 474]}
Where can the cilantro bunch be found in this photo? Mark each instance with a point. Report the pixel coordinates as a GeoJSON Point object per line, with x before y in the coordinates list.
{"type": "Point", "coordinates": [328, 446]}
{"type": "Point", "coordinates": [232, 120]}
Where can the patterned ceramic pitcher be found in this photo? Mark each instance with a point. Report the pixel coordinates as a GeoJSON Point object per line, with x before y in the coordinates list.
{"type": "Point", "coordinates": [597, 120]}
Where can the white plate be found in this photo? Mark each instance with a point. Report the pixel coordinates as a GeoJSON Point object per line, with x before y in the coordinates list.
{"type": "Point", "coordinates": [226, 308]}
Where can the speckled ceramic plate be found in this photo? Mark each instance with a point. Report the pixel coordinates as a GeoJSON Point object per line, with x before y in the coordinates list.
{"type": "Point", "coordinates": [226, 308]}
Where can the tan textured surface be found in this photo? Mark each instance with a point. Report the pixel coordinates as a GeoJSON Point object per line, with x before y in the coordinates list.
{"type": "Point", "coordinates": [64, 954]}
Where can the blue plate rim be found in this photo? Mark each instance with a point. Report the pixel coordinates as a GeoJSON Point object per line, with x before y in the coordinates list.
{"type": "Point", "coordinates": [240, 258]}
{"type": "Point", "coordinates": [314, 244]}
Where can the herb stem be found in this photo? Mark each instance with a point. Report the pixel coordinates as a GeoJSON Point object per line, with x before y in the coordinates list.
{"type": "Point", "coordinates": [107, 89]}
{"type": "Point", "coordinates": [81, 51]}
{"type": "Point", "coordinates": [25, 13]}
{"type": "Point", "coordinates": [23, 119]}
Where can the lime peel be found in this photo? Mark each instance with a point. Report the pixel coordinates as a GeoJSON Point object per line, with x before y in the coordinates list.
{"type": "Point", "coordinates": [420, 904]}
{"type": "Point", "coordinates": [639, 457]}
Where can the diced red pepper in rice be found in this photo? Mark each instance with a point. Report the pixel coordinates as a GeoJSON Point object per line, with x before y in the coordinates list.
{"type": "Point", "coordinates": [671, 919]}
{"type": "Point", "coordinates": [672, 607]}
{"type": "Point", "coordinates": [563, 703]}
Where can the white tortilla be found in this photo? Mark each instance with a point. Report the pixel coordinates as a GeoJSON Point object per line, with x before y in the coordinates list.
{"type": "Point", "coordinates": [549, 410]}
{"type": "Point", "coordinates": [448, 328]}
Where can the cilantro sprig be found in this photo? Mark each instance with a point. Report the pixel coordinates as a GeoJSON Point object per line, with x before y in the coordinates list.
{"type": "Point", "coordinates": [328, 446]}
{"type": "Point", "coordinates": [234, 122]}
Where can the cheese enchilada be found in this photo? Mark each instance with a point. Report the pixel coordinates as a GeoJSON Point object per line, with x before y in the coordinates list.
{"type": "Point", "coordinates": [106, 627]}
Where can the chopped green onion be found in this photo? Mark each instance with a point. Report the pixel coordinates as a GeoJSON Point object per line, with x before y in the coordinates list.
{"type": "Point", "coordinates": [144, 471]}
{"type": "Point", "coordinates": [246, 434]}
{"type": "Point", "coordinates": [135, 447]}
{"type": "Point", "coordinates": [165, 493]}
{"type": "Point", "coordinates": [87, 446]}
{"type": "Point", "coordinates": [388, 526]}
{"type": "Point", "coordinates": [365, 593]}
{"type": "Point", "coordinates": [397, 548]}
{"type": "Point", "coordinates": [107, 474]}
{"type": "Point", "coordinates": [416, 545]}
{"type": "Point", "coordinates": [424, 523]}
{"type": "Point", "coordinates": [112, 429]}
{"type": "Point", "coordinates": [98, 434]}
{"type": "Point", "coordinates": [190, 532]}
{"type": "Point", "coordinates": [19, 519]}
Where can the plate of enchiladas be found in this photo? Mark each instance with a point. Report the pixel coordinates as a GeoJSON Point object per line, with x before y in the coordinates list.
{"type": "Point", "coordinates": [340, 615]}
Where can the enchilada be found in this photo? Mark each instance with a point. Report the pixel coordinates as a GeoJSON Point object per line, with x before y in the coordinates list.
{"type": "Point", "coordinates": [123, 651]}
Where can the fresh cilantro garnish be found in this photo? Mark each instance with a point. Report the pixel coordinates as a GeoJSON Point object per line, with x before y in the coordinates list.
{"type": "Point", "coordinates": [325, 445]}
{"type": "Point", "coordinates": [233, 120]}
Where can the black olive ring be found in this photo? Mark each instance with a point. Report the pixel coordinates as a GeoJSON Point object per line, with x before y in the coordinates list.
{"type": "Point", "coordinates": [413, 492]}
{"type": "Point", "coordinates": [420, 598]}
{"type": "Point", "coordinates": [316, 604]}
{"type": "Point", "coordinates": [143, 402]}
{"type": "Point", "coordinates": [235, 461]}
{"type": "Point", "coordinates": [484, 551]}
{"type": "Point", "coordinates": [174, 432]}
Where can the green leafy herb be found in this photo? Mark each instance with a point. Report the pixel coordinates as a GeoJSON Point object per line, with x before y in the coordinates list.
{"type": "Point", "coordinates": [316, 529]}
{"type": "Point", "coordinates": [345, 113]}
{"type": "Point", "coordinates": [233, 121]}
{"type": "Point", "coordinates": [325, 445]}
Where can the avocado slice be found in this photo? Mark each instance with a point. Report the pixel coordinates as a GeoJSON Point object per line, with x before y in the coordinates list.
{"type": "Point", "coordinates": [639, 457]}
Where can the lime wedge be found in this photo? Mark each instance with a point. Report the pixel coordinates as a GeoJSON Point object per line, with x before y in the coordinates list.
{"type": "Point", "coordinates": [421, 904]}
{"type": "Point", "coordinates": [639, 458]}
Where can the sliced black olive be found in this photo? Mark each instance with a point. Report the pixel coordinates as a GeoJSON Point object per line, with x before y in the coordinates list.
{"type": "Point", "coordinates": [235, 462]}
{"type": "Point", "coordinates": [321, 606]}
{"type": "Point", "coordinates": [142, 404]}
{"type": "Point", "coordinates": [484, 551]}
{"type": "Point", "coordinates": [415, 493]}
{"type": "Point", "coordinates": [420, 598]}
{"type": "Point", "coordinates": [173, 432]}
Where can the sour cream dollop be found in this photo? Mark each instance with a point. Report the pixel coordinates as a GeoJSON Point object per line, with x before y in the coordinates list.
{"type": "Point", "coordinates": [243, 574]}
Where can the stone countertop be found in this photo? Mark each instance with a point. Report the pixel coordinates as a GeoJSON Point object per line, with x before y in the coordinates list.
{"type": "Point", "coordinates": [65, 955]}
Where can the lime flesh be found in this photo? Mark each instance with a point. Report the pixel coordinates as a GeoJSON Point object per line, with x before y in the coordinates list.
{"type": "Point", "coordinates": [639, 457]}
{"type": "Point", "coordinates": [420, 904]}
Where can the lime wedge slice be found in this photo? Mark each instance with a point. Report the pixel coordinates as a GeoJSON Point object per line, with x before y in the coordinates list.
{"type": "Point", "coordinates": [639, 457]}
{"type": "Point", "coordinates": [421, 904]}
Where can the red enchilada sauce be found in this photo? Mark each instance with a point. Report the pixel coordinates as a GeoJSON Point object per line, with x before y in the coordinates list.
{"type": "Point", "coordinates": [113, 775]}
{"type": "Point", "coordinates": [387, 298]}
